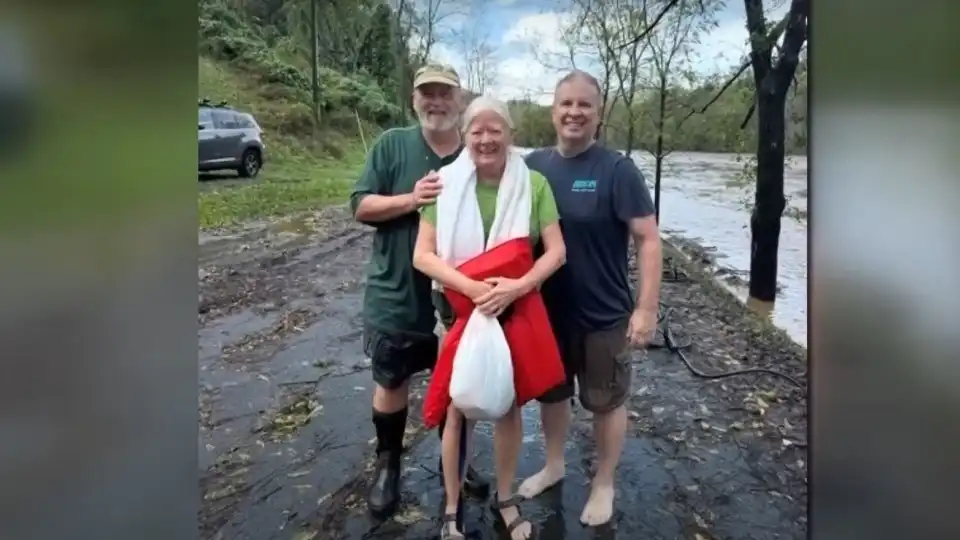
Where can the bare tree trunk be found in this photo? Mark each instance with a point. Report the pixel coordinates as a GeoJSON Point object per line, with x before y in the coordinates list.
{"type": "Point", "coordinates": [769, 201]}
{"type": "Point", "coordinates": [606, 106]}
{"type": "Point", "coordinates": [659, 150]}
{"type": "Point", "coordinates": [314, 61]}
{"type": "Point", "coordinates": [771, 82]}
{"type": "Point", "coordinates": [631, 135]}
{"type": "Point", "coordinates": [403, 97]}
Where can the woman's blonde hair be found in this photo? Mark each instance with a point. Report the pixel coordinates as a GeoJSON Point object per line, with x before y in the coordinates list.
{"type": "Point", "coordinates": [486, 103]}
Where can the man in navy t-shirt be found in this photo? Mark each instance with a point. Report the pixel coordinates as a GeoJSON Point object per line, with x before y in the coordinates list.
{"type": "Point", "coordinates": [603, 201]}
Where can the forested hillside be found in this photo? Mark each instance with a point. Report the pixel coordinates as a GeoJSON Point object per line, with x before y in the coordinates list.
{"type": "Point", "coordinates": [255, 54]}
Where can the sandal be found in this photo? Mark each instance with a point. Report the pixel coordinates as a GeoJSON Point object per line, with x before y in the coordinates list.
{"type": "Point", "coordinates": [445, 533]}
{"type": "Point", "coordinates": [496, 506]}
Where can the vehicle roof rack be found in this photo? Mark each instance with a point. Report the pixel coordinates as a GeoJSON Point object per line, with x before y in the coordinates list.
{"type": "Point", "coordinates": [206, 102]}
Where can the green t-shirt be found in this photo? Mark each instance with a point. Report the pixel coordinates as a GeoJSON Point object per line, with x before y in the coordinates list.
{"type": "Point", "coordinates": [544, 208]}
{"type": "Point", "coordinates": [397, 297]}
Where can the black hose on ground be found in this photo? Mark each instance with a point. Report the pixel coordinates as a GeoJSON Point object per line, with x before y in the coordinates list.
{"type": "Point", "coordinates": [671, 344]}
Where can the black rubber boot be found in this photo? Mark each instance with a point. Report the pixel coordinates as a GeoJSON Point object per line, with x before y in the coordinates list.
{"type": "Point", "coordinates": [385, 485]}
{"type": "Point", "coordinates": [474, 485]}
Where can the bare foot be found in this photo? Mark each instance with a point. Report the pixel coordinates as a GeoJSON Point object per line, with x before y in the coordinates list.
{"type": "Point", "coordinates": [599, 507]}
{"type": "Point", "coordinates": [542, 481]}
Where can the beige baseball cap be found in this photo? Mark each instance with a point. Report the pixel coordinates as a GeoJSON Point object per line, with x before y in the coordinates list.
{"type": "Point", "coordinates": [436, 73]}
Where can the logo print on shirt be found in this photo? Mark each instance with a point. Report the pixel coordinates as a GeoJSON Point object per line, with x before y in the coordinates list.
{"type": "Point", "coordinates": [584, 186]}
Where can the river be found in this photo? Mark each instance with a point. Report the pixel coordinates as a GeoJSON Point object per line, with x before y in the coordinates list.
{"type": "Point", "coordinates": [698, 204]}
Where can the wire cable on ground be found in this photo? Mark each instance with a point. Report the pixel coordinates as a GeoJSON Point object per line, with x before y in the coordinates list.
{"type": "Point", "coordinates": [671, 344]}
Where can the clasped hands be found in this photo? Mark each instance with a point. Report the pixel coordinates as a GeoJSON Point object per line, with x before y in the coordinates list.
{"type": "Point", "coordinates": [493, 295]}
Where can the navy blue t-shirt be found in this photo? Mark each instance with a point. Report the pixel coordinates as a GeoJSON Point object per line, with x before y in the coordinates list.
{"type": "Point", "coordinates": [598, 192]}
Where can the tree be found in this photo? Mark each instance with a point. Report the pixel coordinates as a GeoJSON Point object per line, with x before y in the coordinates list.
{"type": "Point", "coordinates": [315, 65]}
{"type": "Point", "coordinates": [772, 78]}
{"type": "Point", "coordinates": [376, 55]}
{"type": "Point", "coordinates": [608, 23]}
{"type": "Point", "coordinates": [403, 23]}
{"type": "Point", "coordinates": [534, 123]}
{"type": "Point", "coordinates": [579, 49]}
{"type": "Point", "coordinates": [719, 128]}
{"type": "Point", "coordinates": [595, 34]}
{"type": "Point", "coordinates": [429, 21]}
{"type": "Point", "coordinates": [699, 114]}
{"type": "Point", "coordinates": [670, 47]}
{"type": "Point", "coordinates": [480, 70]}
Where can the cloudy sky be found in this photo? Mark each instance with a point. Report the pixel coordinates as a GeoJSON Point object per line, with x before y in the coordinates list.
{"type": "Point", "coordinates": [514, 27]}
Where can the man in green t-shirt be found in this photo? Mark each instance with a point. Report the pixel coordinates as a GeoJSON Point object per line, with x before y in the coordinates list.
{"type": "Point", "coordinates": [399, 177]}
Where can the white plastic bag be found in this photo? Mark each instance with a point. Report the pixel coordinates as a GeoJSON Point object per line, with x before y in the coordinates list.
{"type": "Point", "coordinates": [481, 385]}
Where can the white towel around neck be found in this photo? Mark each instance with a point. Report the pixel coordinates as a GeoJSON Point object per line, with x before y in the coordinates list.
{"type": "Point", "coordinates": [459, 226]}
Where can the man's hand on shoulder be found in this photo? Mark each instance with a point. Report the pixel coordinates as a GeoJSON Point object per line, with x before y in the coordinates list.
{"type": "Point", "coordinates": [373, 208]}
{"type": "Point", "coordinates": [426, 190]}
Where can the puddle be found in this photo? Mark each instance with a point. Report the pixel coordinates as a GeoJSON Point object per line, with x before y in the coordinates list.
{"type": "Point", "coordinates": [302, 224]}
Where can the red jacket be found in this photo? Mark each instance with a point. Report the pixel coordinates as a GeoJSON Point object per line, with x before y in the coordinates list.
{"type": "Point", "coordinates": [536, 359]}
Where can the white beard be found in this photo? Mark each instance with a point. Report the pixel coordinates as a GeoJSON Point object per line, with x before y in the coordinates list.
{"type": "Point", "coordinates": [437, 123]}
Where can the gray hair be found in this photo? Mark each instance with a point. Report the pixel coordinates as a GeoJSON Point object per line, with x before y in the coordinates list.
{"type": "Point", "coordinates": [486, 103]}
{"type": "Point", "coordinates": [579, 74]}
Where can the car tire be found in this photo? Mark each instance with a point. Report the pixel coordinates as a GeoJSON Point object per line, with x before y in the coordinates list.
{"type": "Point", "coordinates": [250, 163]}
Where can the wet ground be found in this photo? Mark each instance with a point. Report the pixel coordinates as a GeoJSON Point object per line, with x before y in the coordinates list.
{"type": "Point", "coordinates": [286, 440]}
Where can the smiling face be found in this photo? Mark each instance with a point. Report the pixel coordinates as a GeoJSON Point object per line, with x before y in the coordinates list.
{"type": "Point", "coordinates": [576, 110]}
{"type": "Point", "coordinates": [437, 106]}
{"type": "Point", "coordinates": [488, 139]}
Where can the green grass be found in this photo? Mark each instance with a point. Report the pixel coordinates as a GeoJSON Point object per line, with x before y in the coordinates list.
{"type": "Point", "coordinates": [303, 171]}
{"type": "Point", "coordinates": [294, 187]}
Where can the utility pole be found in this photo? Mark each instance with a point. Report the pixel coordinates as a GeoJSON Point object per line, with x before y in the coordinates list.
{"type": "Point", "coordinates": [315, 59]}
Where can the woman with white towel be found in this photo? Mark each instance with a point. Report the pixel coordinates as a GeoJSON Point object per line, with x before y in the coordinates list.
{"type": "Point", "coordinates": [476, 242]}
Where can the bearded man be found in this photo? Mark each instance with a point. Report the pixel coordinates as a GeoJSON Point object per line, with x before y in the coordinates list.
{"type": "Point", "coordinates": [399, 177]}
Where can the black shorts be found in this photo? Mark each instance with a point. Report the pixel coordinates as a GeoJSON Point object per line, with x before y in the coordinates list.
{"type": "Point", "coordinates": [444, 309]}
{"type": "Point", "coordinates": [397, 356]}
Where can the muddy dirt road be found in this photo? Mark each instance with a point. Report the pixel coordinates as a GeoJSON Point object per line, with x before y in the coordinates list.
{"type": "Point", "coordinates": [285, 436]}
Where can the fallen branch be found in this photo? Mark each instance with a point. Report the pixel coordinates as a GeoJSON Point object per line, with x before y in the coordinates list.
{"type": "Point", "coordinates": [720, 92]}
{"type": "Point", "coordinates": [753, 107]}
{"type": "Point", "coordinates": [773, 37]}
{"type": "Point", "coordinates": [753, 104]}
